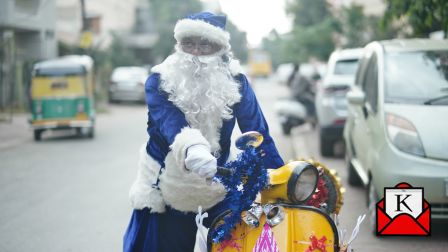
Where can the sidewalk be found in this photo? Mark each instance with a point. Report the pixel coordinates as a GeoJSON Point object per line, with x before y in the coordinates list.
{"type": "Point", "coordinates": [15, 132]}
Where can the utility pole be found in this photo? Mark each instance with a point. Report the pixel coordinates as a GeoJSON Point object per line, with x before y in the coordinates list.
{"type": "Point", "coordinates": [83, 16]}
{"type": "Point", "coordinates": [86, 36]}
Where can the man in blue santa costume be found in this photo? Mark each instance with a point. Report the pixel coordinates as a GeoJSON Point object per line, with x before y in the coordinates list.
{"type": "Point", "coordinates": [194, 99]}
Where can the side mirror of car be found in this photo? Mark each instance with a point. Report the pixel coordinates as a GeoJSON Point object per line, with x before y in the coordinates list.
{"type": "Point", "coordinates": [356, 97]}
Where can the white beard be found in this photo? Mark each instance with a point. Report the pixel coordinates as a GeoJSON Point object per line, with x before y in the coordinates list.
{"type": "Point", "coordinates": [203, 88]}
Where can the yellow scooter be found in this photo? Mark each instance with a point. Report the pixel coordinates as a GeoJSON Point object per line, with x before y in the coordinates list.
{"type": "Point", "coordinates": [280, 219]}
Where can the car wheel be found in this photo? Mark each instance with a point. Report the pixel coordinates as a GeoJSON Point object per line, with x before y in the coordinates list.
{"type": "Point", "coordinates": [372, 199]}
{"type": "Point", "coordinates": [38, 135]}
{"type": "Point", "coordinates": [286, 129]}
{"type": "Point", "coordinates": [326, 146]}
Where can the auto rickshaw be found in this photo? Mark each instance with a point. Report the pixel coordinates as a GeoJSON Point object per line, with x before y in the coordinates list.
{"type": "Point", "coordinates": [62, 95]}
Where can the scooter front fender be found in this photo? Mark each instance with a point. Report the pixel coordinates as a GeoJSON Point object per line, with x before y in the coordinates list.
{"type": "Point", "coordinates": [294, 233]}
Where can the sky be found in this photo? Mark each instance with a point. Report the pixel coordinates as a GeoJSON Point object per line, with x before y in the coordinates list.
{"type": "Point", "coordinates": [257, 17]}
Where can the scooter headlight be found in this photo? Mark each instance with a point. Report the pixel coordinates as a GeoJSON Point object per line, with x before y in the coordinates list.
{"type": "Point", "coordinates": [302, 183]}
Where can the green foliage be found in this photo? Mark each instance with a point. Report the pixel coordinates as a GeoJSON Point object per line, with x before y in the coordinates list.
{"type": "Point", "coordinates": [312, 41]}
{"type": "Point", "coordinates": [308, 12]}
{"type": "Point", "coordinates": [120, 55]}
{"type": "Point", "coordinates": [359, 29]}
{"type": "Point", "coordinates": [238, 41]}
{"type": "Point", "coordinates": [354, 23]}
{"type": "Point", "coordinates": [274, 44]}
{"type": "Point", "coordinates": [424, 16]}
{"type": "Point", "coordinates": [166, 13]}
{"type": "Point", "coordinates": [311, 36]}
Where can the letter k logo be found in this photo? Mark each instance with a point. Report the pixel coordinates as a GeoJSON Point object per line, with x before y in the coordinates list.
{"type": "Point", "coordinates": [402, 202]}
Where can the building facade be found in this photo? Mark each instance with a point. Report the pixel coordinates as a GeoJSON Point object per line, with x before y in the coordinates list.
{"type": "Point", "coordinates": [27, 35]}
{"type": "Point", "coordinates": [32, 26]}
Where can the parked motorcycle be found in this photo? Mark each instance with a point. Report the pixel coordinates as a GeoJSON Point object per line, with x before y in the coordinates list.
{"type": "Point", "coordinates": [288, 214]}
{"type": "Point", "coordinates": [292, 113]}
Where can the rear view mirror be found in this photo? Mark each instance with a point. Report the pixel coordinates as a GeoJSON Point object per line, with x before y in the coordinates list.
{"type": "Point", "coordinates": [356, 97]}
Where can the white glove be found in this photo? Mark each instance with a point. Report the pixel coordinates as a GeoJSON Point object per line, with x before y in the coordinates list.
{"type": "Point", "coordinates": [200, 161]}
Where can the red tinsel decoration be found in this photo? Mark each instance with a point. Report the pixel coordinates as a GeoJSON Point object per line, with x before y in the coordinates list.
{"type": "Point", "coordinates": [229, 243]}
{"type": "Point", "coordinates": [320, 195]}
{"type": "Point", "coordinates": [317, 244]}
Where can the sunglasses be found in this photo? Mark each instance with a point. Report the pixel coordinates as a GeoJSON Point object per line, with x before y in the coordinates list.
{"type": "Point", "coordinates": [202, 45]}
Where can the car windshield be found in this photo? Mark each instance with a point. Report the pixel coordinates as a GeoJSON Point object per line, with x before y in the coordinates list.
{"type": "Point", "coordinates": [416, 77]}
{"type": "Point", "coordinates": [346, 67]}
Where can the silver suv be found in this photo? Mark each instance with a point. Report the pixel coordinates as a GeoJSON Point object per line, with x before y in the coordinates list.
{"type": "Point", "coordinates": [331, 103]}
{"type": "Point", "coordinates": [396, 130]}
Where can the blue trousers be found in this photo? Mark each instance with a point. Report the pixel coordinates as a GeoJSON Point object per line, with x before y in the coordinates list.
{"type": "Point", "coordinates": [171, 231]}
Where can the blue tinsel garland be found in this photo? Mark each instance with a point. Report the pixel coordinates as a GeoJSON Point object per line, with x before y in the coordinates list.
{"type": "Point", "coordinates": [249, 177]}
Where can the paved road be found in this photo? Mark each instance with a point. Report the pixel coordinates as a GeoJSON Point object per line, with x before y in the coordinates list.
{"type": "Point", "coordinates": [70, 194]}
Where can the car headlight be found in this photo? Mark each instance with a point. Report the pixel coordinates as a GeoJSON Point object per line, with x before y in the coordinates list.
{"type": "Point", "coordinates": [302, 183]}
{"type": "Point", "coordinates": [403, 135]}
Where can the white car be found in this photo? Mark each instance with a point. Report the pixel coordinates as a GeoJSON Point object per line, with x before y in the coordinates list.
{"type": "Point", "coordinates": [128, 84]}
{"type": "Point", "coordinates": [331, 103]}
{"type": "Point", "coordinates": [396, 130]}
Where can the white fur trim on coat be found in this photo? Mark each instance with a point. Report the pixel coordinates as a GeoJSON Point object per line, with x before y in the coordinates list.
{"type": "Point", "coordinates": [235, 67]}
{"type": "Point", "coordinates": [179, 188]}
{"type": "Point", "coordinates": [188, 27]}
{"type": "Point", "coordinates": [184, 190]}
{"type": "Point", "coordinates": [142, 194]}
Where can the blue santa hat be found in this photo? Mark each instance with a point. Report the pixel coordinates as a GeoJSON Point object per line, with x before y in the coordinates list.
{"type": "Point", "coordinates": [206, 25]}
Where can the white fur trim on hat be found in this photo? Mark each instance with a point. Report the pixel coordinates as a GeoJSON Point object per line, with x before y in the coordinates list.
{"type": "Point", "coordinates": [188, 27]}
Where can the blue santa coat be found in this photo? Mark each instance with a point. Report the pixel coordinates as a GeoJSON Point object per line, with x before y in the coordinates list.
{"type": "Point", "coordinates": [165, 121]}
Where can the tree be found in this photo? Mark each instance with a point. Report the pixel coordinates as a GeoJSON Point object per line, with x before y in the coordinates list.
{"type": "Point", "coordinates": [308, 12]}
{"type": "Point", "coordinates": [274, 44]}
{"type": "Point", "coordinates": [314, 41]}
{"type": "Point", "coordinates": [353, 24]}
{"type": "Point", "coordinates": [424, 16]}
{"type": "Point", "coordinates": [357, 29]}
{"type": "Point", "coordinates": [313, 28]}
{"type": "Point", "coordinates": [238, 41]}
{"type": "Point", "coordinates": [119, 54]}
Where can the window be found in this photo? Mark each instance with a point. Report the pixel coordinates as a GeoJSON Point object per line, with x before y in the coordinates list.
{"type": "Point", "coordinates": [416, 76]}
{"type": "Point", "coordinates": [370, 83]}
{"type": "Point", "coordinates": [346, 67]}
{"type": "Point", "coordinates": [29, 7]}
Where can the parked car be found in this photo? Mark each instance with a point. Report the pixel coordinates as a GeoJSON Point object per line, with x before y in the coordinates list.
{"type": "Point", "coordinates": [396, 130]}
{"type": "Point", "coordinates": [128, 84]}
{"type": "Point", "coordinates": [331, 102]}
